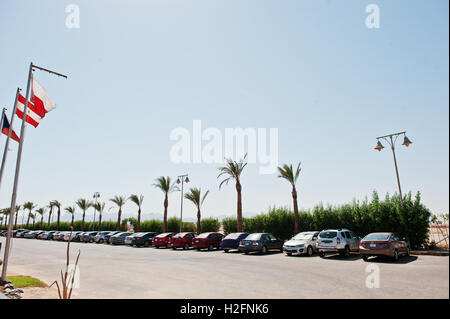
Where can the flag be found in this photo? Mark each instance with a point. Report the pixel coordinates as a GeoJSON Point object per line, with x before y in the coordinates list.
{"type": "Point", "coordinates": [39, 104]}
{"type": "Point", "coordinates": [32, 117]}
{"type": "Point", "coordinates": [40, 99]}
{"type": "Point", "coordinates": [5, 129]}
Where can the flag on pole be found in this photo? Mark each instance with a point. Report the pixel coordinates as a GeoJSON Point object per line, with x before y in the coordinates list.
{"type": "Point", "coordinates": [5, 129]}
{"type": "Point", "coordinates": [39, 104]}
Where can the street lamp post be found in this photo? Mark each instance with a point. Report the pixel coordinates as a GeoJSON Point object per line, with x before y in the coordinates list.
{"type": "Point", "coordinates": [181, 179]}
{"type": "Point", "coordinates": [96, 197]}
{"type": "Point", "coordinates": [391, 139]}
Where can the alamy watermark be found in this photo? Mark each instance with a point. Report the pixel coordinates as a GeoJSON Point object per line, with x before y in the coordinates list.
{"type": "Point", "coordinates": [210, 146]}
{"type": "Point", "coordinates": [73, 17]}
{"type": "Point", "coordinates": [373, 279]}
{"type": "Point", "coordinates": [373, 19]}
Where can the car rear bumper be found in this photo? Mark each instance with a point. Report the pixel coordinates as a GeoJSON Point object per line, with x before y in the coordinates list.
{"type": "Point", "coordinates": [249, 248]}
{"type": "Point", "coordinates": [376, 252]}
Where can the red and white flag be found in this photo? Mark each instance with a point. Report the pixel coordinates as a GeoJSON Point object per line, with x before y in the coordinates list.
{"type": "Point", "coordinates": [39, 104]}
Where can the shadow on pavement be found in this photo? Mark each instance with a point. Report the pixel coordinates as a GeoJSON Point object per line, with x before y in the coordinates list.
{"type": "Point", "coordinates": [387, 260]}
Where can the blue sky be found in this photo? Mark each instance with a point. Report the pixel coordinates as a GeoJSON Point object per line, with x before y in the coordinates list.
{"type": "Point", "coordinates": [138, 69]}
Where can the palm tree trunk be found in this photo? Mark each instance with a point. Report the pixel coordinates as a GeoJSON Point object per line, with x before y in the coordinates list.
{"type": "Point", "coordinates": [139, 220]}
{"type": "Point", "coordinates": [239, 207]}
{"type": "Point", "coordinates": [198, 221]}
{"type": "Point", "coordinates": [28, 219]}
{"type": "Point", "coordinates": [166, 204]}
{"type": "Point", "coordinates": [118, 219]}
{"type": "Point", "coordinates": [49, 216]}
{"type": "Point", "coordinates": [15, 221]}
{"type": "Point", "coordinates": [82, 221]}
{"type": "Point", "coordinates": [59, 214]}
{"type": "Point", "coordinates": [100, 221]}
{"type": "Point", "coordinates": [42, 221]}
{"type": "Point", "coordinates": [296, 218]}
{"type": "Point", "coordinates": [73, 216]}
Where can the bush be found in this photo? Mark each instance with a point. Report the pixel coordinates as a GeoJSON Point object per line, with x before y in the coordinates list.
{"type": "Point", "coordinates": [209, 225]}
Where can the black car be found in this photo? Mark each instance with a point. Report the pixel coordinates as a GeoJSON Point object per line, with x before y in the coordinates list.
{"type": "Point", "coordinates": [107, 237]}
{"type": "Point", "coordinates": [260, 242]}
{"type": "Point", "coordinates": [231, 241]}
{"type": "Point", "coordinates": [143, 239]}
{"type": "Point", "coordinates": [119, 239]}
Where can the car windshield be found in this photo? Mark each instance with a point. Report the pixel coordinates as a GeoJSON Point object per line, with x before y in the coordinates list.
{"type": "Point", "coordinates": [204, 235]}
{"type": "Point", "coordinates": [233, 236]}
{"type": "Point", "coordinates": [328, 234]}
{"type": "Point", "coordinates": [163, 235]}
{"type": "Point", "coordinates": [377, 237]}
{"type": "Point", "coordinates": [253, 237]}
{"type": "Point", "coordinates": [303, 236]}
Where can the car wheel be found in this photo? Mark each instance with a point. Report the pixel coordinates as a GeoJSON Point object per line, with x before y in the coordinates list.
{"type": "Point", "coordinates": [288, 254]}
{"type": "Point", "coordinates": [198, 249]}
{"type": "Point", "coordinates": [246, 252]}
{"type": "Point", "coordinates": [365, 258]}
{"type": "Point", "coordinates": [395, 255]}
{"type": "Point", "coordinates": [210, 247]}
{"type": "Point", "coordinates": [146, 244]}
{"type": "Point", "coordinates": [174, 248]}
{"type": "Point", "coordinates": [226, 250]}
{"type": "Point", "coordinates": [101, 241]}
{"type": "Point", "coordinates": [263, 250]}
{"type": "Point", "coordinates": [346, 252]}
{"type": "Point", "coordinates": [156, 246]}
{"type": "Point", "coordinates": [186, 246]}
{"type": "Point", "coordinates": [309, 251]}
{"type": "Point", "coordinates": [321, 254]}
{"type": "Point", "coordinates": [407, 253]}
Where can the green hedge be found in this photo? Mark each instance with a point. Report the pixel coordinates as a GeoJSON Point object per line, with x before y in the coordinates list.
{"type": "Point", "coordinates": [411, 221]}
{"type": "Point", "coordinates": [209, 225]}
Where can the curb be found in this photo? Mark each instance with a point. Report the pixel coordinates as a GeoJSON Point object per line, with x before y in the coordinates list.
{"type": "Point", "coordinates": [429, 252]}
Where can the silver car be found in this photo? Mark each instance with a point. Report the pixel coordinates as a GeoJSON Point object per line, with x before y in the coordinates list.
{"type": "Point", "coordinates": [342, 241]}
{"type": "Point", "coordinates": [303, 243]}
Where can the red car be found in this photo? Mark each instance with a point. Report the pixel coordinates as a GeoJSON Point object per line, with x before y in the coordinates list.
{"type": "Point", "coordinates": [207, 240]}
{"type": "Point", "coordinates": [181, 240]}
{"type": "Point", "coordinates": [162, 240]}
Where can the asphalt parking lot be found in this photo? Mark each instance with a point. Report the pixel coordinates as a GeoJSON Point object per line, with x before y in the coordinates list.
{"type": "Point", "coordinates": [127, 272]}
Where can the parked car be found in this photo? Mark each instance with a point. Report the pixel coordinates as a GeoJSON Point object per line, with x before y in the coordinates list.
{"type": "Point", "coordinates": [145, 239]}
{"type": "Point", "coordinates": [34, 234]}
{"type": "Point", "coordinates": [260, 242]}
{"type": "Point", "coordinates": [119, 239]}
{"type": "Point", "coordinates": [73, 236]}
{"type": "Point", "coordinates": [342, 241]}
{"type": "Point", "coordinates": [209, 240]}
{"type": "Point", "coordinates": [129, 240]}
{"type": "Point", "coordinates": [100, 237]}
{"type": "Point", "coordinates": [3, 233]}
{"type": "Point", "coordinates": [18, 231]}
{"type": "Point", "coordinates": [162, 240]}
{"type": "Point", "coordinates": [56, 235]}
{"type": "Point", "coordinates": [303, 243]}
{"type": "Point", "coordinates": [108, 236]}
{"type": "Point", "coordinates": [88, 237]}
{"type": "Point", "coordinates": [62, 234]}
{"type": "Point", "coordinates": [383, 244]}
{"type": "Point", "coordinates": [22, 233]}
{"type": "Point", "coordinates": [46, 235]}
{"type": "Point", "coordinates": [181, 240]}
{"type": "Point", "coordinates": [231, 241]}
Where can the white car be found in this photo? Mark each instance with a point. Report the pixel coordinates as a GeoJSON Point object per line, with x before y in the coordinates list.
{"type": "Point", "coordinates": [303, 243]}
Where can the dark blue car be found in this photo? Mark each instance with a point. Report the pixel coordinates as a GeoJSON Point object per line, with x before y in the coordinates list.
{"type": "Point", "coordinates": [231, 241]}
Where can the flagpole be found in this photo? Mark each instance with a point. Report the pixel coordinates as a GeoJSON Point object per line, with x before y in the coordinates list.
{"type": "Point", "coordinates": [16, 177]}
{"type": "Point", "coordinates": [5, 152]}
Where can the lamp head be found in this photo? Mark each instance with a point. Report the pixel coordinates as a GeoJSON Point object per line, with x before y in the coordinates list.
{"type": "Point", "coordinates": [379, 146]}
{"type": "Point", "coordinates": [406, 141]}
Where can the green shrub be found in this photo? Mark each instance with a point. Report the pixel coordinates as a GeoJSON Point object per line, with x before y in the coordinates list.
{"type": "Point", "coordinates": [209, 225]}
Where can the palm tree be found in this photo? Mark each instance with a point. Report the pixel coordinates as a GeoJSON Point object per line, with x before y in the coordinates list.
{"type": "Point", "coordinates": [5, 213]}
{"type": "Point", "coordinates": [84, 205]}
{"type": "Point", "coordinates": [30, 206]}
{"type": "Point", "coordinates": [50, 212]}
{"type": "Point", "coordinates": [194, 195]}
{"type": "Point", "coordinates": [41, 211]}
{"type": "Point", "coordinates": [287, 172]}
{"type": "Point", "coordinates": [119, 201]}
{"type": "Point", "coordinates": [17, 209]}
{"type": "Point", "coordinates": [234, 170]}
{"type": "Point", "coordinates": [71, 210]}
{"type": "Point", "coordinates": [57, 204]}
{"type": "Point", "coordinates": [138, 201]}
{"type": "Point", "coordinates": [100, 207]}
{"type": "Point", "coordinates": [166, 186]}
